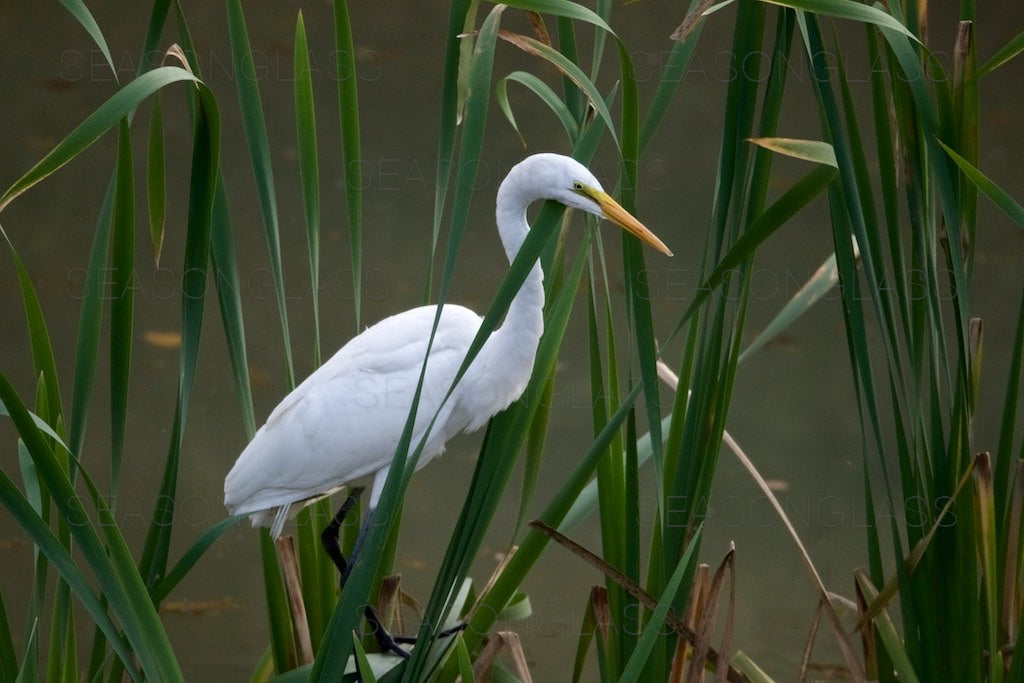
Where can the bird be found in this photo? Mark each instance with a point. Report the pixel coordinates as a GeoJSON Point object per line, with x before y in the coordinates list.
{"type": "Point", "coordinates": [343, 423]}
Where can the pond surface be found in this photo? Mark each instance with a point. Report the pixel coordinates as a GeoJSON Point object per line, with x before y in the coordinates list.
{"type": "Point", "coordinates": [793, 406]}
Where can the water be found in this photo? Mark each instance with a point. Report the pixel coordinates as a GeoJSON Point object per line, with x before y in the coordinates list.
{"type": "Point", "coordinates": [793, 406]}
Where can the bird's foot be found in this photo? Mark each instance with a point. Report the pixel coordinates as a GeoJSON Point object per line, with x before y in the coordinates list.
{"type": "Point", "coordinates": [393, 644]}
{"type": "Point", "coordinates": [387, 642]}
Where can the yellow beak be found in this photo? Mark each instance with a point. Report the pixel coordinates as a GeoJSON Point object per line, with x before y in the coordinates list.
{"type": "Point", "coordinates": [614, 212]}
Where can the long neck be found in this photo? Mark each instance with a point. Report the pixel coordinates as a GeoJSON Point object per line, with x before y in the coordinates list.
{"type": "Point", "coordinates": [526, 312]}
{"type": "Point", "coordinates": [513, 346]}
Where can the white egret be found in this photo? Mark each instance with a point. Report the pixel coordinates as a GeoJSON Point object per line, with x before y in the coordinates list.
{"type": "Point", "coordinates": [344, 421]}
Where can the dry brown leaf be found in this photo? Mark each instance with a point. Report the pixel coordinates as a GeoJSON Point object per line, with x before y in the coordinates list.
{"type": "Point", "coordinates": [495, 643]}
{"type": "Point", "coordinates": [691, 21]}
{"type": "Point", "coordinates": [539, 28]}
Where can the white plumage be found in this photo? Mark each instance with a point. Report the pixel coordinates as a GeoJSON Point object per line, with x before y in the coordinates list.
{"type": "Point", "coordinates": [344, 421]}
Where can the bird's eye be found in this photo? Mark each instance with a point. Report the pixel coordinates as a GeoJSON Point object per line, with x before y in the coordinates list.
{"type": "Point", "coordinates": [577, 186]}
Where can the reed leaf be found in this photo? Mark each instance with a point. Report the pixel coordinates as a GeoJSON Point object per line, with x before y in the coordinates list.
{"type": "Point", "coordinates": [668, 83]}
{"type": "Point", "coordinates": [1003, 55]}
{"type": "Point", "coordinates": [351, 157]}
{"type": "Point", "coordinates": [8, 659]}
{"type": "Point", "coordinates": [39, 337]}
{"type": "Point", "coordinates": [122, 304]}
{"type": "Point", "coordinates": [652, 629]}
{"type": "Point", "coordinates": [887, 632]}
{"type": "Point", "coordinates": [784, 208]}
{"type": "Point", "coordinates": [808, 150]}
{"type": "Point", "coordinates": [309, 175]}
{"type": "Point", "coordinates": [996, 194]}
{"type": "Point", "coordinates": [247, 85]}
{"type": "Point", "coordinates": [450, 115]}
{"type": "Point", "coordinates": [568, 69]}
{"type": "Point", "coordinates": [820, 283]}
{"type": "Point", "coordinates": [848, 9]}
{"type": "Point", "coordinates": [224, 265]}
{"type": "Point", "coordinates": [90, 322]}
{"type": "Point", "coordinates": [84, 17]}
{"type": "Point", "coordinates": [95, 125]}
{"type": "Point", "coordinates": [156, 180]}
{"type": "Point", "coordinates": [202, 196]}
{"type": "Point", "coordinates": [564, 9]}
{"type": "Point", "coordinates": [544, 92]}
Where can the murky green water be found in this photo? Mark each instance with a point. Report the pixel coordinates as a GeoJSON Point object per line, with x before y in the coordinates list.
{"type": "Point", "coordinates": [793, 406]}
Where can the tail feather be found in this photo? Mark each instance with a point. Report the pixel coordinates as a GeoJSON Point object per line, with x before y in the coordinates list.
{"type": "Point", "coordinates": [279, 519]}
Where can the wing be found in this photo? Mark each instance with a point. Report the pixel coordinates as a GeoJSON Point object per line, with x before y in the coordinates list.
{"type": "Point", "coordinates": [345, 420]}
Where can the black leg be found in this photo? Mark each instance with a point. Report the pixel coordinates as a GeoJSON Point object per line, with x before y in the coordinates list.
{"type": "Point", "coordinates": [447, 633]}
{"type": "Point", "coordinates": [329, 537]}
{"type": "Point", "coordinates": [387, 642]}
{"type": "Point", "coordinates": [363, 531]}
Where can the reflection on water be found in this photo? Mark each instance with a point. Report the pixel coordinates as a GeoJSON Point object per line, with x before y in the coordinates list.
{"type": "Point", "coordinates": [793, 405]}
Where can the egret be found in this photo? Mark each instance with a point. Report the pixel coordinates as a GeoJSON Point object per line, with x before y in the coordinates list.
{"type": "Point", "coordinates": [344, 422]}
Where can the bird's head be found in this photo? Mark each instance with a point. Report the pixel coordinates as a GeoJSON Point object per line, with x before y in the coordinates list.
{"type": "Point", "coordinates": [566, 180]}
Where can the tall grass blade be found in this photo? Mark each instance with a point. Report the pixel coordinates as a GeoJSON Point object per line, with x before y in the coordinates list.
{"type": "Point", "coordinates": [39, 337]}
{"type": "Point", "coordinates": [458, 14]}
{"type": "Point", "coordinates": [546, 95]}
{"type": "Point", "coordinates": [90, 322]}
{"type": "Point", "coordinates": [568, 69]}
{"type": "Point", "coordinates": [309, 174]}
{"type": "Point", "coordinates": [887, 632]}
{"type": "Point", "coordinates": [8, 658]}
{"type": "Point", "coordinates": [1003, 55]}
{"type": "Point", "coordinates": [493, 602]}
{"type": "Point", "coordinates": [62, 646]}
{"type": "Point", "coordinates": [122, 300]}
{"type": "Point", "coordinates": [820, 283]}
{"type": "Point", "coordinates": [1004, 452]}
{"type": "Point", "coordinates": [156, 180]}
{"type": "Point", "coordinates": [225, 275]}
{"type": "Point", "coordinates": [190, 557]}
{"type": "Point", "coordinates": [987, 555]}
{"type": "Point", "coordinates": [848, 9]}
{"type": "Point", "coordinates": [255, 127]}
{"type": "Point", "coordinates": [351, 157]}
{"type": "Point", "coordinates": [202, 194]}
{"type": "Point", "coordinates": [150, 45]}
{"type": "Point", "coordinates": [671, 76]}
{"type": "Point", "coordinates": [224, 264]}
{"type": "Point", "coordinates": [282, 641]}
{"type": "Point", "coordinates": [84, 17]}
{"type": "Point", "coordinates": [996, 194]}
{"type": "Point", "coordinates": [535, 439]}
{"type": "Point", "coordinates": [776, 215]}
{"type": "Point", "coordinates": [568, 46]}
{"type": "Point", "coordinates": [653, 628]}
